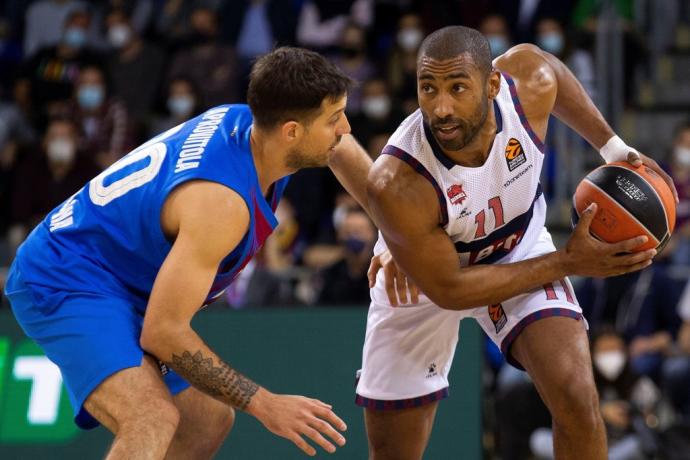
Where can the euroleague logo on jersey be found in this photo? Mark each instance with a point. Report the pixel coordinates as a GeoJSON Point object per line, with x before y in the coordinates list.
{"type": "Point", "coordinates": [515, 155]}
{"type": "Point", "coordinates": [456, 194]}
{"type": "Point", "coordinates": [498, 316]}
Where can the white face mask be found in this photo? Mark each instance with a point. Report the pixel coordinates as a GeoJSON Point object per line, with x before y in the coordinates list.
{"type": "Point", "coordinates": [181, 106]}
{"type": "Point", "coordinates": [376, 106]}
{"type": "Point", "coordinates": [409, 39]}
{"type": "Point", "coordinates": [610, 363]}
{"type": "Point", "coordinates": [119, 35]}
{"type": "Point", "coordinates": [61, 150]}
{"type": "Point", "coordinates": [682, 155]}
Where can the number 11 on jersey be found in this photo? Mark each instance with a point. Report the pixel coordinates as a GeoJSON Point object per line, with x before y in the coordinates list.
{"type": "Point", "coordinates": [497, 208]}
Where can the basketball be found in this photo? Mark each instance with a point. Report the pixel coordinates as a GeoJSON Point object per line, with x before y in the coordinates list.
{"type": "Point", "coordinates": [631, 202]}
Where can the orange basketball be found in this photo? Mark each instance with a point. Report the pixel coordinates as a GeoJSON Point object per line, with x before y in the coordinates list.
{"type": "Point", "coordinates": [631, 202]}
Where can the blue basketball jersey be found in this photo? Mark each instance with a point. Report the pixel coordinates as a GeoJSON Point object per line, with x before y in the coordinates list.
{"type": "Point", "coordinates": [107, 238]}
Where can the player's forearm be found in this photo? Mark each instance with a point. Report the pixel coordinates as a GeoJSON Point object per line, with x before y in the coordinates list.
{"type": "Point", "coordinates": [184, 352]}
{"type": "Point", "coordinates": [350, 163]}
{"type": "Point", "coordinates": [575, 108]}
{"type": "Point", "coordinates": [481, 285]}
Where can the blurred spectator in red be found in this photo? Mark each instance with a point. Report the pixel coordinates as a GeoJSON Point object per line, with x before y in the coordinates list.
{"type": "Point", "coordinates": [103, 120]}
{"type": "Point", "coordinates": [182, 103]}
{"type": "Point", "coordinates": [679, 168]}
{"type": "Point", "coordinates": [379, 112]}
{"type": "Point", "coordinates": [402, 61]}
{"type": "Point", "coordinates": [48, 176]}
{"type": "Point", "coordinates": [135, 67]}
{"type": "Point", "coordinates": [353, 59]}
{"type": "Point", "coordinates": [322, 22]}
{"type": "Point", "coordinates": [49, 76]}
{"type": "Point", "coordinates": [209, 64]}
{"type": "Point", "coordinates": [44, 24]}
{"type": "Point", "coordinates": [495, 29]}
{"type": "Point", "coordinates": [345, 282]}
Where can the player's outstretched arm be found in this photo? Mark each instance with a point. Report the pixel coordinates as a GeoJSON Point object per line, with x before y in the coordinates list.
{"type": "Point", "coordinates": [209, 220]}
{"type": "Point", "coordinates": [350, 163]}
{"type": "Point", "coordinates": [403, 207]}
{"type": "Point", "coordinates": [545, 85]}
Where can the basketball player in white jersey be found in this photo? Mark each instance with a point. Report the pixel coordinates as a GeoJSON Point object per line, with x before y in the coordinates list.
{"type": "Point", "coordinates": [457, 198]}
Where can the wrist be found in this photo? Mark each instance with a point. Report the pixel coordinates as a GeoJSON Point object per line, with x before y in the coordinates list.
{"type": "Point", "coordinates": [259, 404]}
{"type": "Point", "coordinates": [562, 265]}
{"type": "Point", "coordinates": [615, 149]}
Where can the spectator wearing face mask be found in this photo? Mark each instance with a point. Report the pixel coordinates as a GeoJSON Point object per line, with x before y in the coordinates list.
{"type": "Point", "coordinates": [44, 23]}
{"type": "Point", "coordinates": [379, 112]}
{"type": "Point", "coordinates": [135, 67]}
{"type": "Point", "coordinates": [103, 120]}
{"type": "Point", "coordinates": [49, 76]}
{"type": "Point", "coordinates": [676, 368]}
{"type": "Point", "coordinates": [345, 282]}
{"type": "Point", "coordinates": [182, 103]}
{"type": "Point", "coordinates": [402, 63]}
{"type": "Point", "coordinates": [626, 402]}
{"type": "Point", "coordinates": [353, 59]}
{"type": "Point", "coordinates": [551, 37]}
{"type": "Point", "coordinates": [208, 63]}
{"type": "Point", "coordinates": [48, 176]}
{"type": "Point", "coordinates": [495, 29]}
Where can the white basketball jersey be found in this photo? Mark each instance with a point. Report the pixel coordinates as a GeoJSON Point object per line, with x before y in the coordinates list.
{"type": "Point", "coordinates": [493, 213]}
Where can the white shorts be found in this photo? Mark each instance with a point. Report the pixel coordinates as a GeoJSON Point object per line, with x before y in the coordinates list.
{"type": "Point", "coordinates": [408, 350]}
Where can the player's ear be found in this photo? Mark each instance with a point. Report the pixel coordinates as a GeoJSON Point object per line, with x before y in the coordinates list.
{"type": "Point", "coordinates": [292, 131]}
{"type": "Point", "coordinates": [493, 83]}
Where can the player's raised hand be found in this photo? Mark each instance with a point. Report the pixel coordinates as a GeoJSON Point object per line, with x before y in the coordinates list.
{"type": "Point", "coordinates": [295, 417]}
{"type": "Point", "coordinates": [587, 256]}
{"type": "Point", "coordinates": [397, 284]}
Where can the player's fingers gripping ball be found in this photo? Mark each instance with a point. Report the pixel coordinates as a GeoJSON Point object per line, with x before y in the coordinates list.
{"type": "Point", "coordinates": [632, 201]}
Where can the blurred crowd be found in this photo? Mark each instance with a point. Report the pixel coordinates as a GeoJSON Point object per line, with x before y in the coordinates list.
{"type": "Point", "coordinates": [82, 83]}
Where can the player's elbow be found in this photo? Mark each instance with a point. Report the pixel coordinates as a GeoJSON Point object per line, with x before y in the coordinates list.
{"type": "Point", "coordinates": [156, 340]}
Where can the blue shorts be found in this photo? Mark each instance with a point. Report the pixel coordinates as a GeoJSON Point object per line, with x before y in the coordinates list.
{"type": "Point", "coordinates": [89, 336]}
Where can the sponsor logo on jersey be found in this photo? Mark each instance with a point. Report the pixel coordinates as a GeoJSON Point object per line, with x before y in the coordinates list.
{"type": "Point", "coordinates": [464, 213]}
{"type": "Point", "coordinates": [456, 194]}
{"type": "Point", "coordinates": [431, 370]}
{"type": "Point", "coordinates": [515, 155]}
{"type": "Point", "coordinates": [510, 181]}
{"type": "Point", "coordinates": [502, 245]}
{"type": "Point", "coordinates": [498, 316]}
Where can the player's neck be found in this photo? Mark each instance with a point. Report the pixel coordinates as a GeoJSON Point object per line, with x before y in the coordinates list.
{"type": "Point", "coordinates": [268, 159]}
{"type": "Point", "coordinates": [474, 154]}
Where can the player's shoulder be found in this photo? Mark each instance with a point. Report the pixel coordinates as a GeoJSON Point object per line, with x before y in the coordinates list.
{"type": "Point", "coordinates": [205, 203]}
{"type": "Point", "coordinates": [533, 75]}
{"type": "Point", "coordinates": [396, 182]}
{"type": "Point", "coordinates": [521, 61]}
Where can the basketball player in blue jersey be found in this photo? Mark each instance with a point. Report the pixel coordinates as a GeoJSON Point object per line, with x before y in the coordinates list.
{"type": "Point", "coordinates": [108, 283]}
{"type": "Point", "coordinates": [457, 198]}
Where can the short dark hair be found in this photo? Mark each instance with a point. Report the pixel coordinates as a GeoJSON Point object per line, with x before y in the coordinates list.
{"type": "Point", "coordinates": [290, 84]}
{"type": "Point", "coordinates": [453, 41]}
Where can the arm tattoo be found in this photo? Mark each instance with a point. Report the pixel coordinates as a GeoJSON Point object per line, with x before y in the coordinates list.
{"type": "Point", "coordinates": [222, 382]}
